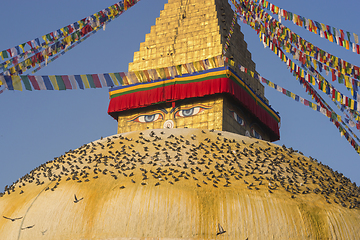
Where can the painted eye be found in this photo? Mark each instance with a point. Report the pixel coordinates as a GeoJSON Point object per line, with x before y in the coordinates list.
{"type": "Point", "coordinates": [188, 112]}
{"type": "Point", "coordinates": [238, 119]}
{"type": "Point", "coordinates": [148, 118]}
{"type": "Point", "coordinates": [256, 134]}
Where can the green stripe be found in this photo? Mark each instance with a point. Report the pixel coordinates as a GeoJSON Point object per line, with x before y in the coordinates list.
{"type": "Point", "coordinates": [91, 80]}
{"type": "Point", "coordinates": [26, 82]}
{"type": "Point", "coordinates": [60, 83]}
{"type": "Point", "coordinates": [167, 84]}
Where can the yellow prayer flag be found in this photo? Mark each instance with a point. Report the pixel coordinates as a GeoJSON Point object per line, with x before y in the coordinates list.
{"type": "Point", "coordinates": [315, 64]}
{"type": "Point", "coordinates": [16, 80]}
{"type": "Point", "coordinates": [63, 31]}
{"type": "Point", "coordinates": [342, 132]}
{"type": "Point", "coordinates": [271, 84]}
{"type": "Point", "coordinates": [12, 70]}
{"type": "Point", "coordinates": [44, 37]}
{"type": "Point", "coordinates": [54, 82]}
{"type": "Point", "coordinates": [139, 76]}
{"type": "Point", "coordinates": [347, 82]}
{"type": "Point", "coordinates": [338, 97]}
{"type": "Point", "coordinates": [114, 79]}
{"type": "Point", "coordinates": [323, 27]}
{"type": "Point", "coordinates": [22, 47]}
{"type": "Point", "coordinates": [293, 95]}
{"type": "Point", "coordinates": [85, 81]}
{"type": "Point", "coordinates": [356, 37]}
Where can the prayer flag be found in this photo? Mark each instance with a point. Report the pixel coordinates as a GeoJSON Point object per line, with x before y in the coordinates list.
{"type": "Point", "coordinates": [47, 83]}
{"type": "Point", "coordinates": [34, 83]}
{"type": "Point", "coordinates": [108, 80]}
{"type": "Point", "coordinates": [17, 82]}
{"type": "Point", "coordinates": [53, 81]}
{"type": "Point", "coordinates": [60, 82]}
{"type": "Point", "coordinates": [40, 82]}
{"type": "Point", "coordinates": [79, 81]}
{"type": "Point", "coordinates": [90, 80]}
{"type": "Point", "coordinates": [26, 82]}
{"type": "Point", "coordinates": [73, 81]}
{"type": "Point", "coordinates": [356, 37]}
{"type": "Point", "coordinates": [96, 81]}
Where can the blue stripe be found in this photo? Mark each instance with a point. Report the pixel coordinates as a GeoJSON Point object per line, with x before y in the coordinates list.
{"type": "Point", "coordinates": [109, 82]}
{"type": "Point", "coordinates": [79, 81]}
{"type": "Point", "coordinates": [47, 82]}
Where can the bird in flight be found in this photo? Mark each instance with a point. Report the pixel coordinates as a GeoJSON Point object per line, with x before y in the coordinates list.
{"type": "Point", "coordinates": [221, 230]}
{"type": "Point", "coordinates": [28, 227]}
{"type": "Point", "coordinates": [77, 200]}
{"type": "Point", "coordinates": [12, 219]}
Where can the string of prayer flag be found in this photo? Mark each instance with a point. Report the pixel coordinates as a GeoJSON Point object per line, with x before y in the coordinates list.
{"type": "Point", "coordinates": [285, 37]}
{"type": "Point", "coordinates": [64, 82]}
{"type": "Point", "coordinates": [323, 30]}
{"type": "Point", "coordinates": [40, 50]}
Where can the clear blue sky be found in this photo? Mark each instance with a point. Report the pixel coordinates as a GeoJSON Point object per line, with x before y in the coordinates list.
{"type": "Point", "coordinates": [37, 126]}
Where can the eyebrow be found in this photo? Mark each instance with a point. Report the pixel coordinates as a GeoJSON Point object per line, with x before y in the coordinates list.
{"type": "Point", "coordinates": [173, 109]}
{"type": "Point", "coordinates": [164, 110]}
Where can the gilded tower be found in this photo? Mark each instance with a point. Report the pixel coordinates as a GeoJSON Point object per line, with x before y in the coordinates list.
{"type": "Point", "coordinates": [193, 30]}
{"type": "Point", "coordinates": [223, 98]}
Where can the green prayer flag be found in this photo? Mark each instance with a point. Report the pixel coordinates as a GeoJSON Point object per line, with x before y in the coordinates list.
{"type": "Point", "coordinates": [348, 35]}
{"type": "Point", "coordinates": [333, 116]}
{"type": "Point", "coordinates": [5, 54]}
{"type": "Point", "coordinates": [119, 78]}
{"type": "Point", "coordinates": [26, 82]}
{"type": "Point", "coordinates": [341, 78]}
{"type": "Point", "coordinates": [60, 83]}
{"type": "Point", "coordinates": [91, 80]}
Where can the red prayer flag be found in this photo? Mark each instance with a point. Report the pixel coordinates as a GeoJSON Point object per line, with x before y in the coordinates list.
{"type": "Point", "coordinates": [333, 75]}
{"type": "Point", "coordinates": [34, 82]}
{"type": "Point", "coordinates": [29, 42]}
{"type": "Point", "coordinates": [96, 80]}
{"type": "Point", "coordinates": [66, 81]}
{"type": "Point", "coordinates": [70, 29]}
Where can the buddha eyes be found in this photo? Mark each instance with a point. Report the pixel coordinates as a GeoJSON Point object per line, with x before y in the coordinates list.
{"type": "Point", "coordinates": [159, 115]}
{"type": "Point", "coordinates": [188, 112]}
{"type": "Point", "coordinates": [148, 118]}
{"type": "Point", "coordinates": [238, 118]}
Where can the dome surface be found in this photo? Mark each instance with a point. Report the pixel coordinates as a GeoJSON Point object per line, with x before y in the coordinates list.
{"type": "Point", "coordinates": [181, 184]}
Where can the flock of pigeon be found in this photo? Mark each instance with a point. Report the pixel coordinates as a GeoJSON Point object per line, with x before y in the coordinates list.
{"type": "Point", "coordinates": [206, 159]}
